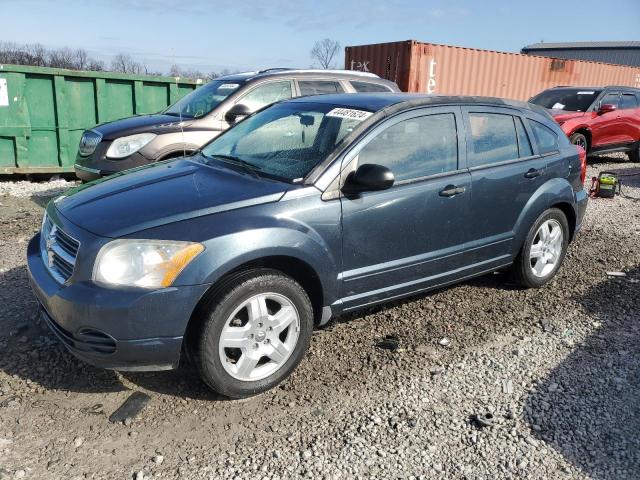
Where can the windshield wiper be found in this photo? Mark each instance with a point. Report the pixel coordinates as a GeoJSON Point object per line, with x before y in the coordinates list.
{"type": "Point", "coordinates": [249, 167]}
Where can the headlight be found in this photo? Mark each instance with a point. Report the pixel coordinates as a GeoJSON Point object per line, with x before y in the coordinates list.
{"type": "Point", "coordinates": [143, 263]}
{"type": "Point", "coordinates": [125, 146]}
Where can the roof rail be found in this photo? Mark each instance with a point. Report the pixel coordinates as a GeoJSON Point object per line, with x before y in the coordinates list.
{"type": "Point", "coordinates": [317, 70]}
{"type": "Point", "coordinates": [276, 69]}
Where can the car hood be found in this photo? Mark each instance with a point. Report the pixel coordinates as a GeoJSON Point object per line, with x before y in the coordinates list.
{"type": "Point", "coordinates": [562, 115]}
{"type": "Point", "coordinates": [157, 123]}
{"type": "Point", "coordinates": [163, 193]}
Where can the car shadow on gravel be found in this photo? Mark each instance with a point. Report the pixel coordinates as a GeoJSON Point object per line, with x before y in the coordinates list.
{"type": "Point", "coordinates": [588, 408]}
{"type": "Point", "coordinates": [30, 351]}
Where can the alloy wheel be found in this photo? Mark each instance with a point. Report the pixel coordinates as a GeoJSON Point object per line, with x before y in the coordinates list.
{"type": "Point", "coordinates": [546, 249]}
{"type": "Point", "coordinates": [259, 337]}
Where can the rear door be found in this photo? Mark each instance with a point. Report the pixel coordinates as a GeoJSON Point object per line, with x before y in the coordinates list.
{"type": "Point", "coordinates": [630, 117]}
{"type": "Point", "coordinates": [411, 236]}
{"type": "Point", "coordinates": [505, 172]}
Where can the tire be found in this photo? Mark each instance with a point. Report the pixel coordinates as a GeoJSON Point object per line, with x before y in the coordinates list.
{"type": "Point", "coordinates": [548, 255]}
{"type": "Point", "coordinates": [243, 347]}
{"type": "Point", "coordinates": [581, 140]}
{"type": "Point", "coordinates": [634, 155]}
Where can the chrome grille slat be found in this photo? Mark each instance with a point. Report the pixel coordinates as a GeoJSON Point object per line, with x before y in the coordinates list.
{"type": "Point", "coordinates": [59, 251]}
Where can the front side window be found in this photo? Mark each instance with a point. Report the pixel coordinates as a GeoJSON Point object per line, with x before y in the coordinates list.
{"type": "Point", "coordinates": [367, 87]}
{"type": "Point", "coordinates": [493, 138]}
{"type": "Point", "coordinates": [546, 138]}
{"type": "Point", "coordinates": [415, 148]}
{"type": "Point", "coordinates": [319, 87]}
{"type": "Point", "coordinates": [628, 101]}
{"type": "Point", "coordinates": [203, 100]}
{"type": "Point", "coordinates": [266, 94]}
{"type": "Point", "coordinates": [611, 99]}
{"type": "Point", "coordinates": [287, 140]}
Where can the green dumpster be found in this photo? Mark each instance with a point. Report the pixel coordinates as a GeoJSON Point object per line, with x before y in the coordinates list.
{"type": "Point", "coordinates": [43, 111]}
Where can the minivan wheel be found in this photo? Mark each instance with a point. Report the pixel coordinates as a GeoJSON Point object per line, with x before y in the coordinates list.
{"type": "Point", "coordinates": [254, 334]}
{"type": "Point", "coordinates": [543, 251]}
{"type": "Point", "coordinates": [580, 140]}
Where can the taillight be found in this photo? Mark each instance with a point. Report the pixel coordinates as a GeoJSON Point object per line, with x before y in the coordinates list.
{"type": "Point", "coordinates": [583, 163]}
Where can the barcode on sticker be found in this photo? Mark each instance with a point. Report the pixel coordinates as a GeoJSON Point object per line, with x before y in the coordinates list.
{"type": "Point", "coordinates": [359, 115]}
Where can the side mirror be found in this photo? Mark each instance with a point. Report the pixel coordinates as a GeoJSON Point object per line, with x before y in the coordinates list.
{"type": "Point", "coordinates": [368, 177]}
{"type": "Point", "coordinates": [606, 108]}
{"type": "Point", "coordinates": [237, 113]}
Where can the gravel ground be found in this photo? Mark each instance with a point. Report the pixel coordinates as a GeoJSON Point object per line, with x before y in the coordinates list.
{"type": "Point", "coordinates": [558, 369]}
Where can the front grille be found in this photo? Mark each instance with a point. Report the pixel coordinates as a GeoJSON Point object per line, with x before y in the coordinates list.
{"type": "Point", "coordinates": [89, 142]}
{"type": "Point", "coordinates": [59, 250]}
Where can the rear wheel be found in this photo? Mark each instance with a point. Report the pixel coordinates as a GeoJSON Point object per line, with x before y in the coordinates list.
{"type": "Point", "coordinates": [254, 334]}
{"type": "Point", "coordinates": [580, 140]}
{"type": "Point", "coordinates": [543, 251]}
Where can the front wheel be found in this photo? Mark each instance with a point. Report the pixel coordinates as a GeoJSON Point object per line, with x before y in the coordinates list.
{"type": "Point", "coordinates": [580, 140]}
{"type": "Point", "coordinates": [254, 334]}
{"type": "Point", "coordinates": [543, 251]}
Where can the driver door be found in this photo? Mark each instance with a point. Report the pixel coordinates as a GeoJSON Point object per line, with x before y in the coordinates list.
{"type": "Point", "coordinates": [412, 235]}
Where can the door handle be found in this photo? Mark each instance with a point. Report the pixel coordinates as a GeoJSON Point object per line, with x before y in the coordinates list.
{"type": "Point", "coordinates": [452, 190]}
{"type": "Point", "coordinates": [533, 173]}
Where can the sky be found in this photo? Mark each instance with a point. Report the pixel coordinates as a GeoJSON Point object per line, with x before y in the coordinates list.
{"type": "Point", "coordinates": [253, 34]}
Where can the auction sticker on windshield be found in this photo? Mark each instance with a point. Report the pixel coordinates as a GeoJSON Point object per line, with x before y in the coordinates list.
{"type": "Point", "coordinates": [350, 113]}
{"type": "Point", "coordinates": [229, 86]}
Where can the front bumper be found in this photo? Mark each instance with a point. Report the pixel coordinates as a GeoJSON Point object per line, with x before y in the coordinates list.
{"type": "Point", "coordinates": [98, 165]}
{"type": "Point", "coordinates": [121, 329]}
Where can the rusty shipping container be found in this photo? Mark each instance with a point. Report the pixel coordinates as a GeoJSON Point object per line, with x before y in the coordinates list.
{"type": "Point", "coordinates": [442, 69]}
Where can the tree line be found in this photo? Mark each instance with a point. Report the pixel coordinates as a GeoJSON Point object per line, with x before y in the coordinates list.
{"type": "Point", "coordinates": [37, 55]}
{"type": "Point", "coordinates": [324, 52]}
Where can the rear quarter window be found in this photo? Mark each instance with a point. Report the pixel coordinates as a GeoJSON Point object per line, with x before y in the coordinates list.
{"type": "Point", "coordinates": [545, 138]}
{"type": "Point", "coordinates": [367, 87]}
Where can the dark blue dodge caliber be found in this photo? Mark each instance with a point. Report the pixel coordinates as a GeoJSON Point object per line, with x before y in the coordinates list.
{"type": "Point", "coordinates": [307, 209]}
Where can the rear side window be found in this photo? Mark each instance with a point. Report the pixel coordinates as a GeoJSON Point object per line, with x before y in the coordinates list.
{"type": "Point", "coordinates": [524, 145]}
{"type": "Point", "coordinates": [628, 101]}
{"type": "Point", "coordinates": [493, 138]}
{"type": "Point", "coordinates": [546, 138]}
{"type": "Point", "coordinates": [319, 87]}
{"type": "Point", "coordinates": [366, 87]}
{"type": "Point", "coordinates": [415, 148]}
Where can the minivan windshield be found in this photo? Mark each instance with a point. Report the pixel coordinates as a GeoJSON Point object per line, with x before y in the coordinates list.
{"type": "Point", "coordinates": [287, 140]}
{"type": "Point", "coordinates": [202, 100]}
{"type": "Point", "coordinates": [569, 99]}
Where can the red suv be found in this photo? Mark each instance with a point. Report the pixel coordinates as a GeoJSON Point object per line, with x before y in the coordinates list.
{"type": "Point", "coordinates": [603, 119]}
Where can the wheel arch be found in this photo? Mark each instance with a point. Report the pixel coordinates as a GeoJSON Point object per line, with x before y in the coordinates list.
{"type": "Point", "coordinates": [584, 130]}
{"type": "Point", "coordinates": [555, 193]}
{"type": "Point", "coordinates": [299, 270]}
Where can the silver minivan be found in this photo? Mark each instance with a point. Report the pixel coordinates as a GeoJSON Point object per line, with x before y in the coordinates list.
{"type": "Point", "coordinates": [203, 114]}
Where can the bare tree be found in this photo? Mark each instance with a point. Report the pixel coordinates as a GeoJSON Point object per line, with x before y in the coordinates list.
{"type": "Point", "coordinates": [324, 51]}
{"type": "Point", "coordinates": [123, 63]}
{"type": "Point", "coordinates": [62, 58]}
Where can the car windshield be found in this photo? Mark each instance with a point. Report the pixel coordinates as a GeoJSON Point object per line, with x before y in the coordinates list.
{"type": "Point", "coordinates": [571, 100]}
{"type": "Point", "coordinates": [202, 100]}
{"type": "Point", "coordinates": [286, 141]}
